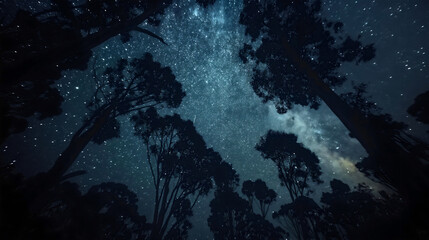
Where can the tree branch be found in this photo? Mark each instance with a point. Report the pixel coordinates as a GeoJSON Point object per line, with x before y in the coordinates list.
{"type": "Point", "coordinates": [145, 31]}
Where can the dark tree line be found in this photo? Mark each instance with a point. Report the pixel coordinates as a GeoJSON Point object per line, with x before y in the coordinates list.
{"type": "Point", "coordinates": [297, 62]}
{"type": "Point", "coordinates": [130, 86]}
{"type": "Point", "coordinates": [41, 56]}
{"type": "Point", "coordinates": [297, 166]}
{"type": "Point", "coordinates": [32, 58]}
{"type": "Point", "coordinates": [233, 217]}
{"type": "Point", "coordinates": [183, 170]}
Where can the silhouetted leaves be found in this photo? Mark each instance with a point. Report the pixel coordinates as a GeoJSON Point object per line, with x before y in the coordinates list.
{"type": "Point", "coordinates": [232, 218]}
{"type": "Point", "coordinates": [295, 163]}
{"type": "Point", "coordinates": [303, 217]}
{"type": "Point", "coordinates": [37, 47]}
{"type": "Point", "coordinates": [316, 40]}
{"type": "Point", "coordinates": [420, 108]}
{"type": "Point", "coordinates": [359, 101]}
{"type": "Point", "coordinates": [259, 190]}
{"type": "Point", "coordinates": [129, 86]}
{"type": "Point", "coordinates": [359, 215]}
{"type": "Point", "coordinates": [183, 169]}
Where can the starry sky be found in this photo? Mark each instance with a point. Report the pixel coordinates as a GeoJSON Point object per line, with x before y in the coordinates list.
{"type": "Point", "coordinates": [202, 51]}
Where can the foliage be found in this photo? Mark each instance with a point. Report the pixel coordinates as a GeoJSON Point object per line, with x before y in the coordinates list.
{"type": "Point", "coordinates": [420, 108]}
{"type": "Point", "coordinates": [236, 220]}
{"type": "Point", "coordinates": [33, 58]}
{"type": "Point", "coordinates": [319, 42]}
{"type": "Point", "coordinates": [183, 169]}
{"type": "Point", "coordinates": [305, 219]}
{"type": "Point", "coordinates": [358, 101]}
{"type": "Point", "coordinates": [296, 164]}
{"type": "Point", "coordinates": [359, 214]}
{"type": "Point", "coordinates": [259, 190]}
{"type": "Point", "coordinates": [130, 86]}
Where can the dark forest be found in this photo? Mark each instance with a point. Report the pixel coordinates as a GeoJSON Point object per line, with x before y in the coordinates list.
{"type": "Point", "coordinates": [214, 119]}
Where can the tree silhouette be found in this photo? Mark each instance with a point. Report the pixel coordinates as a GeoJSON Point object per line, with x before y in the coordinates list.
{"type": "Point", "coordinates": [259, 190]}
{"type": "Point", "coordinates": [359, 214]}
{"type": "Point", "coordinates": [130, 86]}
{"type": "Point", "coordinates": [33, 58]}
{"type": "Point", "coordinates": [117, 211]}
{"type": "Point", "coordinates": [420, 108]}
{"type": "Point", "coordinates": [87, 25]}
{"type": "Point", "coordinates": [298, 59]}
{"type": "Point", "coordinates": [296, 164]}
{"type": "Point", "coordinates": [396, 145]}
{"type": "Point", "coordinates": [297, 23]}
{"type": "Point", "coordinates": [106, 211]}
{"type": "Point", "coordinates": [182, 169]}
{"type": "Point", "coordinates": [399, 167]}
{"type": "Point", "coordinates": [359, 101]}
{"type": "Point", "coordinates": [232, 218]}
{"type": "Point", "coordinates": [305, 219]}
{"type": "Point", "coordinates": [297, 62]}
{"type": "Point", "coordinates": [350, 210]}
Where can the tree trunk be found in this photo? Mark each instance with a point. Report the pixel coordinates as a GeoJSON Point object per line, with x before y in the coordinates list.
{"type": "Point", "coordinates": [76, 146]}
{"type": "Point", "coordinates": [354, 121]}
{"type": "Point", "coordinates": [24, 68]}
{"type": "Point", "coordinates": [405, 172]}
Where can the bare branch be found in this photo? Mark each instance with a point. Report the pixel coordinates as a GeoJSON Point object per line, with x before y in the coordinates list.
{"type": "Point", "coordinates": [145, 31]}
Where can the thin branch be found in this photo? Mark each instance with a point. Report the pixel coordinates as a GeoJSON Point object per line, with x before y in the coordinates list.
{"type": "Point", "coordinates": [73, 174]}
{"type": "Point", "coordinates": [145, 31]}
{"type": "Point", "coordinates": [150, 164]}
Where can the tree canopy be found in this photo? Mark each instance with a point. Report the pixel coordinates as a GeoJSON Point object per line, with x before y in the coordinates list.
{"type": "Point", "coordinates": [183, 169]}
{"type": "Point", "coordinates": [317, 41]}
{"type": "Point", "coordinates": [296, 164]}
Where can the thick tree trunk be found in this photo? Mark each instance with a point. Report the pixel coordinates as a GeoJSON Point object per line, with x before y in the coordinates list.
{"type": "Point", "coordinates": [405, 172]}
{"type": "Point", "coordinates": [24, 68]}
{"type": "Point", "coordinates": [353, 120]}
{"type": "Point", "coordinates": [78, 143]}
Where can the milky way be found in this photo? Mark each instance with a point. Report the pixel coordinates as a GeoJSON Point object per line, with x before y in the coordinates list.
{"type": "Point", "coordinates": [202, 51]}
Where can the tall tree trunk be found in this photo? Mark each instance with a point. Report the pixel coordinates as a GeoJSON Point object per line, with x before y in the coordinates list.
{"type": "Point", "coordinates": [407, 173]}
{"type": "Point", "coordinates": [24, 68]}
{"type": "Point", "coordinates": [359, 126]}
{"type": "Point", "coordinates": [78, 143]}
{"type": "Point", "coordinates": [354, 120]}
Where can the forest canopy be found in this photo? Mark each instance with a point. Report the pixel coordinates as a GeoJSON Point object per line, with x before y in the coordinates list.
{"type": "Point", "coordinates": [213, 119]}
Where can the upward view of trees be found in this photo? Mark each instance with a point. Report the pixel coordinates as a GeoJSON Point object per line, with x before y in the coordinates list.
{"type": "Point", "coordinates": [299, 57]}
{"type": "Point", "coordinates": [370, 217]}
{"type": "Point", "coordinates": [33, 58]}
{"type": "Point", "coordinates": [128, 87]}
{"type": "Point", "coordinates": [257, 192]}
{"type": "Point", "coordinates": [297, 62]}
{"type": "Point", "coordinates": [295, 55]}
{"type": "Point", "coordinates": [296, 164]}
{"type": "Point", "coordinates": [182, 169]}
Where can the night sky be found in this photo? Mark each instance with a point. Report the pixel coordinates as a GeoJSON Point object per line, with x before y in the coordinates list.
{"type": "Point", "coordinates": [202, 51]}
